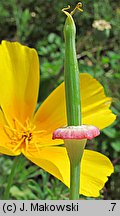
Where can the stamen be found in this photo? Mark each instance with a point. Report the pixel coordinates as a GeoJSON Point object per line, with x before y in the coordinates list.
{"type": "Point", "coordinates": [11, 129]}
{"type": "Point", "coordinates": [18, 145]}
{"type": "Point", "coordinates": [39, 132]}
{"type": "Point", "coordinates": [26, 146]}
{"type": "Point", "coordinates": [23, 136]}
{"type": "Point", "coordinates": [14, 124]}
{"type": "Point", "coordinates": [4, 128]}
{"type": "Point", "coordinates": [37, 147]}
{"type": "Point", "coordinates": [19, 123]}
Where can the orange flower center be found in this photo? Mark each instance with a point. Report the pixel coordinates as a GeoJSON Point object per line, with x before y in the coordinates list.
{"type": "Point", "coordinates": [22, 135]}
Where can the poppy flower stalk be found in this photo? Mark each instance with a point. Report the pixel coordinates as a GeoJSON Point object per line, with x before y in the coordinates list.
{"type": "Point", "coordinates": [73, 102]}
{"type": "Point", "coordinates": [72, 136]}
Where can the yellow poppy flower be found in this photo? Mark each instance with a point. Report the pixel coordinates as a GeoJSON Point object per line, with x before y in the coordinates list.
{"type": "Point", "coordinates": [24, 131]}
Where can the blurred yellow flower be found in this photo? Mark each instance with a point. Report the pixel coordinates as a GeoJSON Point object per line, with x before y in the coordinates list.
{"type": "Point", "coordinates": [22, 130]}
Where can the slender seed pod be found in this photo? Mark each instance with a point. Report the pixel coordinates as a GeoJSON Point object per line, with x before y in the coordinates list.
{"type": "Point", "coordinates": [74, 147]}
{"type": "Point", "coordinates": [71, 73]}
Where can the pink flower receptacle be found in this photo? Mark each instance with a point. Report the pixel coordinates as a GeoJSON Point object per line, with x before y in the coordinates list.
{"type": "Point", "coordinates": [76, 132]}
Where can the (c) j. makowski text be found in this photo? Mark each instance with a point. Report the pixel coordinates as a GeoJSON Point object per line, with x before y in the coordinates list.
{"type": "Point", "coordinates": [36, 207]}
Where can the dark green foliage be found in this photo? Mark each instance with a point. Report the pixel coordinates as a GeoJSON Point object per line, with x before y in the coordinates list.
{"type": "Point", "coordinates": [30, 182]}
{"type": "Point", "coordinates": [39, 24]}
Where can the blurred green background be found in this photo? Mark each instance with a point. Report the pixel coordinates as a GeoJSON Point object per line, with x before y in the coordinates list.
{"type": "Point", "coordinates": [39, 24]}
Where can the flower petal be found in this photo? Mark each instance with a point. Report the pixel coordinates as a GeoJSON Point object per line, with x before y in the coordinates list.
{"type": "Point", "coordinates": [95, 107]}
{"type": "Point", "coordinates": [19, 80]}
{"type": "Point", "coordinates": [95, 104]}
{"type": "Point", "coordinates": [95, 168]}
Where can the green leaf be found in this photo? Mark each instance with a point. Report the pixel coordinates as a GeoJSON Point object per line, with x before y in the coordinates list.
{"type": "Point", "coordinates": [116, 146]}
{"type": "Point", "coordinates": [110, 132]}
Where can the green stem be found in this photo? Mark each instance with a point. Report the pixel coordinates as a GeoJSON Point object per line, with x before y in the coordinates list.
{"type": "Point", "coordinates": [75, 150]}
{"type": "Point", "coordinates": [73, 103]}
{"type": "Point", "coordinates": [74, 181]}
{"type": "Point", "coordinates": [10, 178]}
